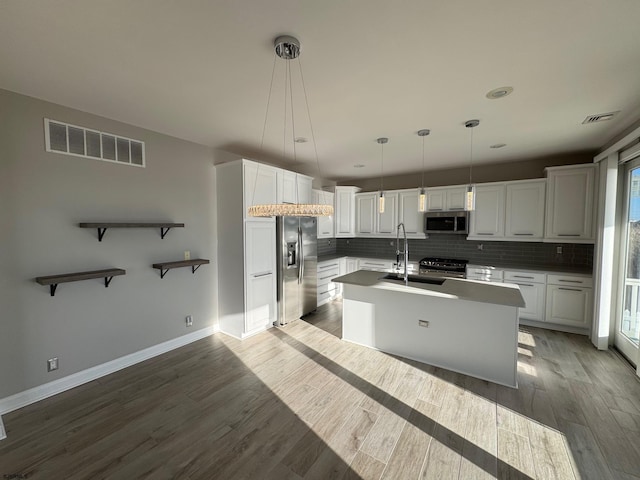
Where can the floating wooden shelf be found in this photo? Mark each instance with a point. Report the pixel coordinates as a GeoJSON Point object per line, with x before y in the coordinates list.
{"type": "Point", "coordinates": [102, 227]}
{"type": "Point", "coordinates": [54, 280]}
{"type": "Point", "coordinates": [164, 267]}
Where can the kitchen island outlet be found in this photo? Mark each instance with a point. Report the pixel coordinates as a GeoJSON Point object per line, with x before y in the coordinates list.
{"type": "Point", "coordinates": [461, 325]}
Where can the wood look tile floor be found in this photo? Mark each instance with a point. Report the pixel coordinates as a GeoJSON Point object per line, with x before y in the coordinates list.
{"type": "Point", "coordinates": [298, 402]}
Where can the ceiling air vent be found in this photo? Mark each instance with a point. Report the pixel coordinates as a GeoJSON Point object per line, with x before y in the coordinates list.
{"type": "Point", "coordinates": [69, 139]}
{"type": "Point", "coordinates": [600, 117]}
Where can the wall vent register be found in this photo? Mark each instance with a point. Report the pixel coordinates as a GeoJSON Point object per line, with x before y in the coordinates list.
{"type": "Point", "coordinates": [83, 142]}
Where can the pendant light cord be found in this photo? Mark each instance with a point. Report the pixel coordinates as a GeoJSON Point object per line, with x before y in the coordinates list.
{"type": "Point", "coordinates": [313, 136]}
{"type": "Point", "coordinates": [423, 162]}
{"type": "Point", "coordinates": [471, 156]}
{"type": "Point", "coordinates": [381, 167]}
{"type": "Point", "coordinates": [264, 125]}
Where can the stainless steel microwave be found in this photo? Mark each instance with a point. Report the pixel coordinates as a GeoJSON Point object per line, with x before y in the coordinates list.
{"type": "Point", "coordinates": [446, 222]}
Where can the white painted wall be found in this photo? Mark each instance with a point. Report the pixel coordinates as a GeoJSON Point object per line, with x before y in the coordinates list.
{"type": "Point", "coordinates": [43, 196]}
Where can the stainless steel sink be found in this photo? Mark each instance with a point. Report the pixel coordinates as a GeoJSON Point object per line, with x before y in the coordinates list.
{"type": "Point", "coordinates": [414, 278]}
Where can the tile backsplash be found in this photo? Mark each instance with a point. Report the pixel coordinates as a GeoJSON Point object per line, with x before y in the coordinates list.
{"type": "Point", "coordinates": [532, 254]}
{"type": "Point", "coordinates": [327, 246]}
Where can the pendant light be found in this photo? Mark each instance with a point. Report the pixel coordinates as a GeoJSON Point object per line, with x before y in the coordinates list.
{"type": "Point", "coordinates": [422, 199]}
{"type": "Point", "coordinates": [381, 141]}
{"type": "Point", "coordinates": [288, 49]}
{"type": "Point", "coordinates": [470, 203]}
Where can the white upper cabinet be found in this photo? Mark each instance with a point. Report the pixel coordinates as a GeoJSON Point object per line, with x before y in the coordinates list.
{"type": "Point", "coordinates": [325, 224]}
{"type": "Point", "coordinates": [260, 184]}
{"type": "Point", "coordinates": [525, 210]}
{"type": "Point", "coordinates": [570, 203]}
{"type": "Point", "coordinates": [387, 222]}
{"type": "Point", "coordinates": [408, 213]}
{"type": "Point", "coordinates": [294, 187]}
{"type": "Point", "coordinates": [441, 199]}
{"type": "Point", "coordinates": [487, 220]}
{"type": "Point", "coordinates": [345, 211]}
{"type": "Point", "coordinates": [366, 211]}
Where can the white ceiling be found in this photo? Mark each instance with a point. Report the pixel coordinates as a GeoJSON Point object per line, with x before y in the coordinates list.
{"type": "Point", "coordinates": [201, 71]}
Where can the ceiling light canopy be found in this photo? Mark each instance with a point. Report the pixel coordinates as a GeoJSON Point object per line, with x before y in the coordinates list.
{"type": "Point", "coordinates": [288, 48]}
{"type": "Point", "coordinates": [499, 92]}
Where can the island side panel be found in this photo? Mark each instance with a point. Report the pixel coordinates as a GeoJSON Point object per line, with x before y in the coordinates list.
{"type": "Point", "coordinates": [477, 339]}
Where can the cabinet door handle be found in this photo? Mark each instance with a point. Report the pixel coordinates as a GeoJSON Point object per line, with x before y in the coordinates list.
{"type": "Point", "coordinates": [258, 275]}
{"type": "Point", "coordinates": [570, 289]}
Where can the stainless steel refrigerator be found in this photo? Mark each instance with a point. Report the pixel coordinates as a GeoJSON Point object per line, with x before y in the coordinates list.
{"type": "Point", "coordinates": [297, 261]}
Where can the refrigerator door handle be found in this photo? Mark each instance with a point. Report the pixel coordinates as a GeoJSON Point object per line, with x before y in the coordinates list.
{"type": "Point", "coordinates": [301, 259]}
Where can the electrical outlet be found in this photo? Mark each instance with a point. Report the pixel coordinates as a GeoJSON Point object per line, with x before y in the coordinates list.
{"type": "Point", "coordinates": [189, 320]}
{"type": "Point", "coordinates": [559, 250]}
{"type": "Point", "coordinates": [52, 364]}
{"type": "Point", "coordinates": [187, 255]}
{"type": "Point", "coordinates": [480, 247]}
{"type": "Point", "coordinates": [423, 323]}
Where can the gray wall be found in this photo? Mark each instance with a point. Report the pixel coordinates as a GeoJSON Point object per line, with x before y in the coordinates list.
{"type": "Point", "coordinates": [497, 172]}
{"type": "Point", "coordinates": [44, 195]}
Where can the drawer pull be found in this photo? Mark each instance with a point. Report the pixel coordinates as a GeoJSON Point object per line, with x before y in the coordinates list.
{"type": "Point", "coordinates": [524, 234]}
{"type": "Point", "coordinates": [324, 278]}
{"type": "Point", "coordinates": [258, 275]}
{"type": "Point", "coordinates": [568, 234]}
{"type": "Point", "coordinates": [524, 284]}
{"type": "Point", "coordinates": [330, 265]}
{"type": "Point", "coordinates": [481, 233]}
{"type": "Point", "coordinates": [571, 281]}
{"type": "Point", "coordinates": [570, 289]}
{"type": "Point", "coordinates": [522, 276]}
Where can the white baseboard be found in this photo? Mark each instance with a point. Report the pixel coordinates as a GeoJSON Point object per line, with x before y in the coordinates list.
{"type": "Point", "coordinates": [27, 397]}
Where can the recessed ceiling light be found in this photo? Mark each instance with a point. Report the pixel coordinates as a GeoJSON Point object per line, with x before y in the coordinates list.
{"type": "Point", "coordinates": [300, 140]}
{"type": "Point", "coordinates": [499, 92]}
{"type": "Point", "coordinates": [358, 165]}
{"type": "Point", "coordinates": [498, 145]}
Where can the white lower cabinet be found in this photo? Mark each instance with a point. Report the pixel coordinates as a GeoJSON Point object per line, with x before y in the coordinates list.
{"type": "Point", "coordinates": [352, 264]}
{"type": "Point", "coordinates": [484, 273]}
{"type": "Point", "coordinates": [328, 290]}
{"type": "Point", "coordinates": [260, 304]}
{"type": "Point", "coordinates": [533, 289]}
{"type": "Point", "coordinates": [569, 300]}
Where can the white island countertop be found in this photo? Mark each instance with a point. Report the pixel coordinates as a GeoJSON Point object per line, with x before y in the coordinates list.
{"type": "Point", "coordinates": [452, 288]}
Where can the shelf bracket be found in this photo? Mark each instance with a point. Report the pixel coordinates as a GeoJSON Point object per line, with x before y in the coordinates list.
{"type": "Point", "coordinates": [52, 289]}
{"type": "Point", "coordinates": [194, 268]}
{"type": "Point", "coordinates": [101, 232]}
{"type": "Point", "coordinates": [163, 272]}
{"type": "Point", "coordinates": [107, 281]}
{"type": "Point", "coordinates": [164, 231]}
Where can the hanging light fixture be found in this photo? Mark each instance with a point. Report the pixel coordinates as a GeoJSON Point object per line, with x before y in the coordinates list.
{"type": "Point", "coordinates": [288, 48]}
{"type": "Point", "coordinates": [381, 141]}
{"type": "Point", "coordinates": [471, 196]}
{"type": "Point", "coordinates": [422, 199]}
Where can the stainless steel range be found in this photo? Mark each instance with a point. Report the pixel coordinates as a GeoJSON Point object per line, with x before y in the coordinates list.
{"type": "Point", "coordinates": [443, 267]}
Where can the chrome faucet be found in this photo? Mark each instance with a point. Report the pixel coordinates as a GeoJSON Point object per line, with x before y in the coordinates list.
{"type": "Point", "coordinates": [404, 251]}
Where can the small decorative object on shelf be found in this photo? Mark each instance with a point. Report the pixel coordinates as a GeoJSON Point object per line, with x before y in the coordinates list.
{"type": "Point", "coordinates": [54, 280]}
{"type": "Point", "coordinates": [195, 263]}
{"type": "Point", "coordinates": [102, 227]}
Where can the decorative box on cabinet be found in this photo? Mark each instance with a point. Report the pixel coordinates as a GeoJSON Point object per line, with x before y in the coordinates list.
{"type": "Point", "coordinates": [570, 203]}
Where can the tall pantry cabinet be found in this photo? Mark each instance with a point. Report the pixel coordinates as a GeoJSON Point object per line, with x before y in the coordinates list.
{"type": "Point", "coordinates": [246, 248]}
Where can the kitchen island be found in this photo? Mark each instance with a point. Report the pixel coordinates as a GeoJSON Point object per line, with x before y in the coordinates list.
{"type": "Point", "coordinates": [466, 326]}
